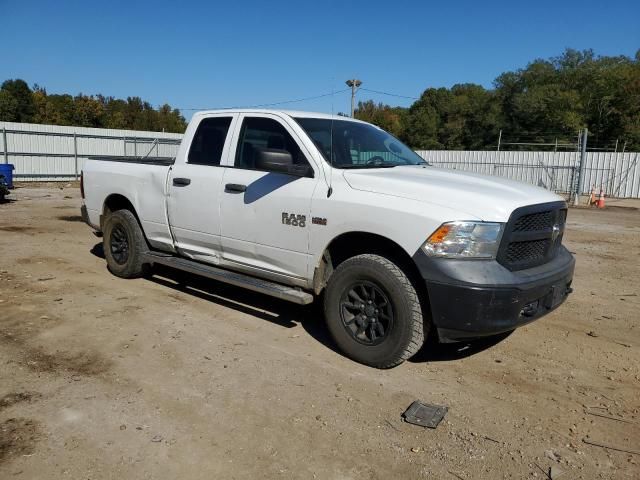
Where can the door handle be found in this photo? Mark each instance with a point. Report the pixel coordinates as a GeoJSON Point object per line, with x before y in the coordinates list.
{"type": "Point", "coordinates": [235, 187]}
{"type": "Point", "coordinates": [181, 182]}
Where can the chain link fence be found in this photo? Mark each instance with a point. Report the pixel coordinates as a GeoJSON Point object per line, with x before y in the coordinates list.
{"type": "Point", "coordinates": [618, 174]}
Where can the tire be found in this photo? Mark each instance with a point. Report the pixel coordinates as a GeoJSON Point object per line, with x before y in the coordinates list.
{"type": "Point", "coordinates": [124, 245]}
{"type": "Point", "coordinates": [367, 335]}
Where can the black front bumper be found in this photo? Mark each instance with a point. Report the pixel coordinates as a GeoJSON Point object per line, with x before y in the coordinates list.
{"type": "Point", "coordinates": [477, 298]}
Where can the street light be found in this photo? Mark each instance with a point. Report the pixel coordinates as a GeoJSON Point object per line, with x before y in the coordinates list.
{"type": "Point", "coordinates": [353, 84]}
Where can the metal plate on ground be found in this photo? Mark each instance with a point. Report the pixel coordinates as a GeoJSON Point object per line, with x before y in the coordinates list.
{"type": "Point", "coordinates": [424, 414]}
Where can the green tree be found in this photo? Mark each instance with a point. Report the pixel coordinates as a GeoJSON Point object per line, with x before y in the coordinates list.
{"type": "Point", "coordinates": [170, 120]}
{"type": "Point", "coordinates": [21, 93]}
{"type": "Point", "coordinates": [546, 100]}
{"type": "Point", "coordinates": [19, 103]}
{"type": "Point", "coordinates": [88, 111]}
{"type": "Point", "coordinates": [61, 109]}
{"type": "Point", "coordinates": [8, 107]}
{"type": "Point", "coordinates": [389, 118]}
{"type": "Point", "coordinates": [423, 122]}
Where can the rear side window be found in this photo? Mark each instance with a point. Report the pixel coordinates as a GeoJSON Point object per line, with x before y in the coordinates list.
{"type": "Point", "coordinates": [264, 133]}
{"type": "Point", "coordinates": [208, 142]}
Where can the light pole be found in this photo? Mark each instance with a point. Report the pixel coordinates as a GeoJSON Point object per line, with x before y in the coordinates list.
{"type": "Point", "coordinates": [354, 84]}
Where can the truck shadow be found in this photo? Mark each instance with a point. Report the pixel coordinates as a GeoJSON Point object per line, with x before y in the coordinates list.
{"type": "Point", "coordinates": [70, 218]}
{"type": "Point", "coordinates": [98, 250]}
{"type": "Point", "coordinates": [289, 315]}
{"type": "Point", "coordinates": [265, 185]}
{"type": "Point", "coordinates": [276, 311]}
{"type": "Point", "coordinates": [310, 317]}
{"type": "Point", "coordinates": [432, 351]}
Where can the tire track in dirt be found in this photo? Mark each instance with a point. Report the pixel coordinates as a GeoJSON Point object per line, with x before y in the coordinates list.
{"type": "Point", "coordinates": [19, 336]}
{"type": "Point", "coordinates": [18, 437]}
{"type": "Point", "coordinates": [14, 398]}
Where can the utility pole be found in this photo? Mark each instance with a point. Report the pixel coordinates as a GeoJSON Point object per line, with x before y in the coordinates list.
{"type": "Point", "coordinates": [499, 139]}
{"type": "Point", "coordinates": [354, 83]}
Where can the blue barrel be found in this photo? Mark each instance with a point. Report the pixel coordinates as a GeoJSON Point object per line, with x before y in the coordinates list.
{"type": "Point", "coordinates": [6, 169]}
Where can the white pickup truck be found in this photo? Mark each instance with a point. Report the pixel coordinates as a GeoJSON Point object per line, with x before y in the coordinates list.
{"type": "Point", "coordinates": [302, 205]}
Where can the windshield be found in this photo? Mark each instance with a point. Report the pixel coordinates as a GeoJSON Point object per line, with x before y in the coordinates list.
{"type": "Point", "coordinates": [357, 145]}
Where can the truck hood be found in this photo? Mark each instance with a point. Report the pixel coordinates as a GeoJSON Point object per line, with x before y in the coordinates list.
{"type": "Point", "coordinates": [484, 197]}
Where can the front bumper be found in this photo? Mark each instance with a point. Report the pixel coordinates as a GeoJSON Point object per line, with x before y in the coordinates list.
{"type": "Point", "coordinates": [476, 298]}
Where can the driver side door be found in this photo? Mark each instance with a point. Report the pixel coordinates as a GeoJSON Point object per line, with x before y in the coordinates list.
{"type": "Point", "coordinates": [266, 215]}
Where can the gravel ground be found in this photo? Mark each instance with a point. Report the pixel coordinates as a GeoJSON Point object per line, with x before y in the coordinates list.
{"type": "Point", "coordinates": [176, 377]}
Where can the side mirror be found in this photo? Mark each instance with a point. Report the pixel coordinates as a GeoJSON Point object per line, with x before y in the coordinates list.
{"type": "Point", "coordinates": [276, 160]}
{"type": "Point", "coordinates": [273, 160]}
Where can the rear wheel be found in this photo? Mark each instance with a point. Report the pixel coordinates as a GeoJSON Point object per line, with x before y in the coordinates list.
{"type": "Point", "coordinates": [373, 311]}
{"type": "Point", "coordinates": [124, 245]}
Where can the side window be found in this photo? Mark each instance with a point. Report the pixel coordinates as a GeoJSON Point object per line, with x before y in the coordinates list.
{"type": "Point", "coordinates": [264, 133]}
{"type": "Point", "coordinates": [208, 142]}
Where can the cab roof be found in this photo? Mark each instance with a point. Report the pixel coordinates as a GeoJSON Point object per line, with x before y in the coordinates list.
{"type": "Point", "coordinates": [290, 113]}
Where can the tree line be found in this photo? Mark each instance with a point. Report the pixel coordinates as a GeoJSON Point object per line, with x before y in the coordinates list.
{"type": "Point", "coordinates": [548, 100]}
{"type": "Point", "coordinates": [20, 103]}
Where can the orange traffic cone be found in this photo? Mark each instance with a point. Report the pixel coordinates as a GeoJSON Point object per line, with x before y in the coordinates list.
{"type": "Point", "coordinates": [592, 196]}
{"type": "Point", "coordinates": [600, 202]}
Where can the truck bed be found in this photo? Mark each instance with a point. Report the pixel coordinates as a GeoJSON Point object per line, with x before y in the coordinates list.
{"type": "Point", "coordinates": [141, 181]}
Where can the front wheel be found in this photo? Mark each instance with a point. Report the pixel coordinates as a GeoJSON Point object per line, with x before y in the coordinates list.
{"type": "Point", "coordinates": [373, 311]}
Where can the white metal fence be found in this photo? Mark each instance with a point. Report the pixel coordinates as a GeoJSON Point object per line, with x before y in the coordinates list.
{"type": "Point", "coordinates": [617, 173]}
{"type": "Point", "coordinates": [49, 152]}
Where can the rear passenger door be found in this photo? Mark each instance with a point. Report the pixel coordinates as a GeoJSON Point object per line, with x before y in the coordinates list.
{"type": "Point", "coordinates": [266, 215]}
{"type": "Point", "coordinates": [195, 187]}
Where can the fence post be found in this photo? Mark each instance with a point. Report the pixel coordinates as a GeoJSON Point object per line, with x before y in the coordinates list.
{"type": "Point", "coordinates": [581, 168]}
{"type": "Point", "coordinates": [75, 154]}
{"type": "Point", "coordinates": [4, 143]}
{"type": "Point", "coordinates": [499, 139]}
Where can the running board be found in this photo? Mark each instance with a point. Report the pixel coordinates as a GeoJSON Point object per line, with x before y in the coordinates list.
{"type": "Point", "coordinates": [266, 287]}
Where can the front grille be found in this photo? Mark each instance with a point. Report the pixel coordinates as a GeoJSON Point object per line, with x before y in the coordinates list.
{"type": "Point", "coordinates": [527, 251]}
{"type": "Point", "coordinates": [532, 235]}
{"type": "Point", "coordinates": [534, 221]}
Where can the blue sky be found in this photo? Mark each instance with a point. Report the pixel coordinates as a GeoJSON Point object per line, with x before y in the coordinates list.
{"type": "Point", "coordinates": [207, 54]}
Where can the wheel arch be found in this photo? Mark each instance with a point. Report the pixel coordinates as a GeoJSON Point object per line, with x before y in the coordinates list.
{"type": "Point", "coordinates": [117, 201]}
{"type": "Point", "coordinates": [350, 244]}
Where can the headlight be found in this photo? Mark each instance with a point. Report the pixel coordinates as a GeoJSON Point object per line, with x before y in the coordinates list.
{"type": "Point", "coordinates": [465, 240]}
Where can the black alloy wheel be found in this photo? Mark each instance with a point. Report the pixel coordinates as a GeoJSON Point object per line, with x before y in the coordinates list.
{"type": "Point", "coordinates": [366, 313]}
{"type": "Point", "coordinates": [373, 311]}
{"type": "Point", "coordinates": [119, 244]}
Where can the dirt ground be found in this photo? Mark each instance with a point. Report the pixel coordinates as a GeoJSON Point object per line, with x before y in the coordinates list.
{"type": "Point", "coordinates": [174, 377]}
